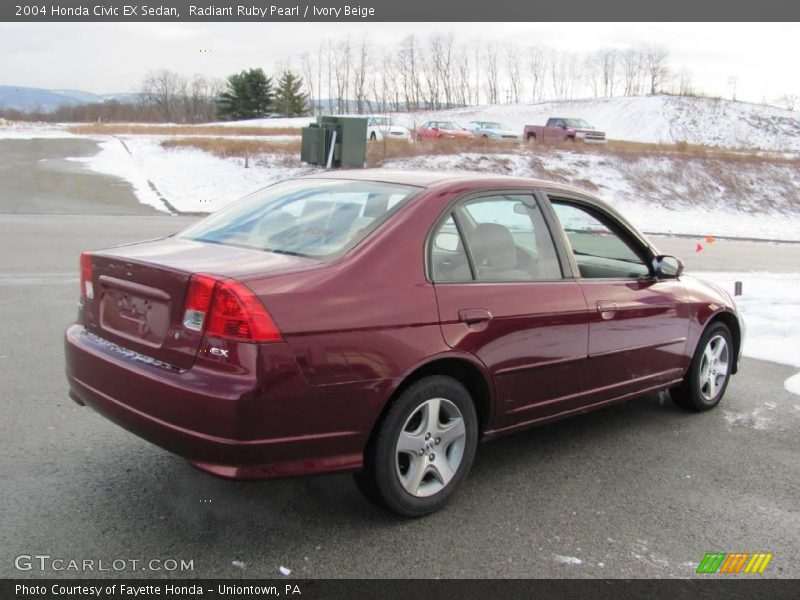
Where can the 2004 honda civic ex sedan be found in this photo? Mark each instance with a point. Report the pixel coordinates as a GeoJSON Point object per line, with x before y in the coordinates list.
{"type": "Point", "coordinates": [384, 323]}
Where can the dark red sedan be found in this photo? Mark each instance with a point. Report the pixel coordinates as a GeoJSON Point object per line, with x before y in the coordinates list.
{"type": "Point", "coordinates": [384, 323]}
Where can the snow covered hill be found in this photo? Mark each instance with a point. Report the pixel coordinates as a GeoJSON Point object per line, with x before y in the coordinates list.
{"type": "Point", "coordinates": [653, 119]}
{"type": "Point", "coordinates": [650, 119]}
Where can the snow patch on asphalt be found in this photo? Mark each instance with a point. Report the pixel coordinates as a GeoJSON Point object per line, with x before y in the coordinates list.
{"type": "Point", "coordinates": [793, 385]}
{"type": "Point", "coordinates": [567, 560]}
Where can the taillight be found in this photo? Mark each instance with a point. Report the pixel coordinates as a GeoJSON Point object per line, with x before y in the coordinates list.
{"type": "Point", "coordinates": [198, 301]}
{"type": "Point", "coordinates": [87, 287]}
{"type": "Point", "coordinates": [227, 309]}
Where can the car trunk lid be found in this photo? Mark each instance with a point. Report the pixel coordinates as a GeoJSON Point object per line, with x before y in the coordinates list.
{"type": "Point", "coordinates": [139, 292]}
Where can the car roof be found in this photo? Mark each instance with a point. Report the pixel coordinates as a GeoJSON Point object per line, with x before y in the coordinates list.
{"type": "Point", "coordinates": [429, 179]}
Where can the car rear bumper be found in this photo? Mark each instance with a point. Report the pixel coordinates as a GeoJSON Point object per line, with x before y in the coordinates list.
{"type": "Point", "coordinates": [223, 423]}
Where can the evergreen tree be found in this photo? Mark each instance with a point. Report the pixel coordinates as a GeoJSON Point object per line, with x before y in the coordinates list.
{"type": "Point", "coordinates": [249, 95]}
{"type": "Point", "coordinates": [289, 100]}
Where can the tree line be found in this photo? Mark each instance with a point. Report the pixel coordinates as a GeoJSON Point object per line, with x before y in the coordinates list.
{"type": "Point", "coordinates": [420, 73]}
{"type": "Point", "coordinates": [439, 72]}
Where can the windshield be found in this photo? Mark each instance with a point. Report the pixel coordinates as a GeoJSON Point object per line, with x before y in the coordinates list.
{"type": "Point", "coordinates": [580, 123]}
{"type": "Point", "coordinates": [317, 218]}
{"type": "Point", "coordinates": [381, 121]}
{"type": "Point", "coordinates": [448, 125]}
{"type": "Point", "coordinates": [489, 125]}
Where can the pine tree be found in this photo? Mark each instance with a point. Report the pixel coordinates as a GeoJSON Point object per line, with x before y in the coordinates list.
{"type": "Point", "coordinates": [289, 100]}
{"type": "Point", "coordinates": [249, 95]}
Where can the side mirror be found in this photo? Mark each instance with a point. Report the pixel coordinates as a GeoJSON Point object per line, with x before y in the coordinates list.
{"type": "Point", "coordinates": [446, 241]}
{"type": "Point", "coordinates": [668, 267]}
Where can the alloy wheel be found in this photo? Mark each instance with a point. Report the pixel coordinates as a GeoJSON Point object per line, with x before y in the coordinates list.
{"type": "Point", "coordinates": [430, 447]}
{"type": "Point", "coordinates": [714, 367]}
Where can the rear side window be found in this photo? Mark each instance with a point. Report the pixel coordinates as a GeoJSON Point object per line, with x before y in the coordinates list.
{"type": "Point", "coordinates": [495, 238]}
{"type": "Point", "coordinates": [308, 217]}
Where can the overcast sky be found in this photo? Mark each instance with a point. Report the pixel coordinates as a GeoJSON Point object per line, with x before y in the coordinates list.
{"type": "Point", "coordinates": [114, 57]}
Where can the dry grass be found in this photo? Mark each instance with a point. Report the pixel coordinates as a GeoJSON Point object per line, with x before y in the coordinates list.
{"type": "Point", "coordinates": [201, 130]}
{"type": "Point", "coordinates": [231, 147]}
{"type": "Point", "coordinates": [378, 152]}
{"type": "Point", "coordinates": [635, 150]}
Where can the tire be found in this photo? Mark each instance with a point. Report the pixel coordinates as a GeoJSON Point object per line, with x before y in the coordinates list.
{"type": "Point", "coordinates": [709, 372]}
{"type": "Point", "coordinates": [531, 138]}
{"type": "Point", "coordinates": [373, 137]}
{"type": "Point", "coordinates": [414, 466]}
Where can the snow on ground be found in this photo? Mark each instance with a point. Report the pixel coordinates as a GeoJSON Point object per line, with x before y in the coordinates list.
{"type": "Point", "coordinates": [770, 306]}
{"type": "Point", "coordinates": [793, 384]}
{"type": "Point", "coordinates": [292, 122]}
{"type": "Point", "coordinates": [658, 195]}
{"type": "Point", "coordinates": [20, 130]}
{"type": "Point", "coordinates": [652, 119]}
{"type": "Point", "coordinates": [190, 179]}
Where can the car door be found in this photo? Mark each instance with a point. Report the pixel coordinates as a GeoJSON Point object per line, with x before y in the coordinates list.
{"type": "Point", "coordinates": [503, 298]}
{"type": "Point", "coordinates": [638, 323]}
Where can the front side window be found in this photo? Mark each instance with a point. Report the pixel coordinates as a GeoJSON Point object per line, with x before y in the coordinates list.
{"type": "Point", "coordinates": [316, 218]}
{"type": "Point", "coordinates": [505, 236]}
{"type": "Point", "coordinates": [600, 251]}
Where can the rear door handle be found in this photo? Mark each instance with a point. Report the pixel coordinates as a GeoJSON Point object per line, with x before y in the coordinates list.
{"type": "Point", "coordinates": [472, 316]}
{"type": "Point", "coordinates": [606, 308]}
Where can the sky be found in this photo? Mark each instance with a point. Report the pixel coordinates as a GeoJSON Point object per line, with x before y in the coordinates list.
{"type": "Point", "coordinates": [114, 57]}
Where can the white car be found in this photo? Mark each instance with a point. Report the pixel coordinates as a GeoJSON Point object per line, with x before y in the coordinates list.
{"type": "Point", "coordinates": [379, 128]}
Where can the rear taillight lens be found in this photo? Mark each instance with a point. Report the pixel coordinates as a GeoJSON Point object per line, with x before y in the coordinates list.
{"type": "Point", "coordinates": [198, 301]}
{"type": "Point", "coordinates": [227, 309]}
{"type": "Point", "coordinates": [87, 287]}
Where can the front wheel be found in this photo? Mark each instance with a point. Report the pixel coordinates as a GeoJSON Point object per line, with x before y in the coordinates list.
{"type": "Point", "coordinates": [709, 373]}
{"type": "Point", "coordinates": [423, 448]}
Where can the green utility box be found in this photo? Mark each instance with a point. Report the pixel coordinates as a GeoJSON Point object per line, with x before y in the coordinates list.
{"type": "Point", "coordinates": [347, 135]}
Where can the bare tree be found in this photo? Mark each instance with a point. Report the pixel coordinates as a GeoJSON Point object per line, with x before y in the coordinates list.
{"type": "Point", "coordinates": [656, 66]}
{"type": "Point", "coordinates": [632, 61]}
{"type": "Point", "coordinates": [685, 83]}
{"type": "Point", "coordinates": [733, 81]}
{"type": "Point", "coordinates": [341, 63]}
{"type": "Point", "coordinates": [513, 71]}
{"type": "Point", "coordinates": [360, 76]}
{"type": "Point", "coordinates": [491, 62]}
{"type": "Point", "coordinates": [789, 101]}
{"type": "Point", "coordinates": [410, 72]}
{"type": "Point", "coordinates": [608, 59]}
{"type": "Point", "coordinates": [164, 90]}
{"type": "Point", "coordinates": [537, 62]}
{"type": "Point", "coordinates": [308, 78]}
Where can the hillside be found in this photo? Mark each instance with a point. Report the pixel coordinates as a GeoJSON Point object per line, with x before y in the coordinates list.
{"type": "Point", "coordinates": [30, 98]}
{"type": "Point", "coordinates": [651, 119]}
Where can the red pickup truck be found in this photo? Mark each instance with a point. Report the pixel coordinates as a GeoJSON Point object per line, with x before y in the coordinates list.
{"type": "Point", "coordinates": [561, 129]}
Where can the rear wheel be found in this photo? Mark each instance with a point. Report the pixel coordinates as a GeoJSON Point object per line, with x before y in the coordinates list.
{"type": "Point", "coordinates": [423, 448]}
{"type": "Point", "coordinates": [708, 375]}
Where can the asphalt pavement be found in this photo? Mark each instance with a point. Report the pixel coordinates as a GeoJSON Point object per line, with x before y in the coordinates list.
{"type": "Point", "coordinates": [641, 489]}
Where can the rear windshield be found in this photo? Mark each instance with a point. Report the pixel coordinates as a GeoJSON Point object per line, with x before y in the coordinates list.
{"type": "Point", "coordinates": [316, 218]}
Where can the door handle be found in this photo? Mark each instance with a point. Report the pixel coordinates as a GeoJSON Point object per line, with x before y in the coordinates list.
{"type": "Point", "coordinates": [606, 308]}
{"type": "Point", "coordinates": [472, 316]}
